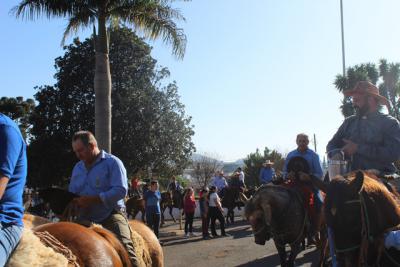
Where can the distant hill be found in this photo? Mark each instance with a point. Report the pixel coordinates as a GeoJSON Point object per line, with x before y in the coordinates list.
{"type": "Point", "coordinates": [228, 167]}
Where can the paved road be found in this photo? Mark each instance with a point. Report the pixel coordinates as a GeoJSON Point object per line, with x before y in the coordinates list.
{"type": "Point", "coordinates": [238, 250]}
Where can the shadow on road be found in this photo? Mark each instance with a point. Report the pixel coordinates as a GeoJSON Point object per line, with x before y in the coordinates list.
{"type": "Point", "coordinates": [273, 260]}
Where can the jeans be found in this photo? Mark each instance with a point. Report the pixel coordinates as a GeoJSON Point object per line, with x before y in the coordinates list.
{"type": "Point", "coordinates": [205, 222]}
{"type": "Point", "coordinates": [153, 221]}
{"type": "Point", "coordinates": [189, 222]}
{"type": "Point", "coordinates": [215, 213]}
{"type": "Point", "coordinates": [118, 224]}
{"type": "Point", "coordinates": [9, 238]}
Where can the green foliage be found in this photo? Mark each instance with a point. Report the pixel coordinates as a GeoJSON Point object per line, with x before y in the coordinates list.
{"type": "Point", "coordinates": [150, 127]}
{"type": "Point", "coordinates": [385, 76]}
{"type": "Point", "coordinates": [19, 110]}
{"type": "Point", "coordinates": [254, 161]}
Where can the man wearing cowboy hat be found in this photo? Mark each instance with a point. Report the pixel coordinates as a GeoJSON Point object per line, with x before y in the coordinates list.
{"type": "Point", "coordinates": [369, 139]}
{"type": "Point", "coordinates": [267, 172]}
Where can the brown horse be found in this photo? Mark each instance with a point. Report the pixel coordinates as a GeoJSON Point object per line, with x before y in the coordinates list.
{"type": "Point", "coordinates": [91, 247]}
{"type": "Point", "coordinates": [134, 205]}
{"type": "Point", "coordinates": [151, 243]}
{"type": "Point", "coordinates": [360, 209]}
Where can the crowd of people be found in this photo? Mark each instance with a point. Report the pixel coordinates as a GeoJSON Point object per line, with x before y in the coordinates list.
{"type": "Point", "coordinates": [368, 140]}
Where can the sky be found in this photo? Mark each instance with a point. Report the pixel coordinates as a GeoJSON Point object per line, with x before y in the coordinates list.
{"type": "Point", "coordinates": [255, 73]}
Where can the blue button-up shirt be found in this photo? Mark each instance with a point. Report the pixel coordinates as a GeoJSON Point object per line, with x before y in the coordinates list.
{"type": "Point", "coordinates": [219, 182]}
{"type": "Point", "coordinates": [266, 175]}
{"type": "Point", "coordinates": [13, 164]}
{"type": "Point", "coordinates": [106, 179]}
{"type": "Point", "coordinates": [312, 160]}
{"type": "Point", "coordinates": [378, 138]}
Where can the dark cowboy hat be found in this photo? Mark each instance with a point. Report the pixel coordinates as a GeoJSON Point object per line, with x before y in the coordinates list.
{"type": "Point", "coordinates": [364, 87]}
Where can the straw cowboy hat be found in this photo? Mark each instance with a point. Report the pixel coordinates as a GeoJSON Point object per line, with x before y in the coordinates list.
{"type": "Point", "coordinates": [364, 87]}
{"type": "Point", "coordinates": [268, 162]}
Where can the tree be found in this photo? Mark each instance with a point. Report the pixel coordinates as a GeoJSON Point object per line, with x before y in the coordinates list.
{"type": "Point", "coordinates": [253, 164]}
{"type": "Point", "coordinates": [204, 168]}
{"type": "Point", "coordinates": [151, 129]}
{"type": "Point", "coordinates": [154, 17]}
{"type": "Point", "coordinates": [19, 110]}
{"type": "Point", "coordinates": [385, 76]}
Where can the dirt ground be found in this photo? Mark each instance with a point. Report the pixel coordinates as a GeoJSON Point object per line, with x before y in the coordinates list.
{"type": "Point", "coordinates": [237, 250]}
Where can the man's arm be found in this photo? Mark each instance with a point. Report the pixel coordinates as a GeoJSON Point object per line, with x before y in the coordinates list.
{"type": "Point", "coordinates": [3, 184]}
{"type": "Point", "coordinates": [118, 182]}
{"type": "Point", "coordinates": [317, 169]}
{"type": "Point", "coordinates": [337, 140]}
{"type": "Point", "coordinates": [10, 148]}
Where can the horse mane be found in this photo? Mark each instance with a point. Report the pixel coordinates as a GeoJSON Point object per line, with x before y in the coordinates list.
{"type": "Point", "coordinates": [115, 243]}
{"type": "Point", "coordinates": [384, 200]}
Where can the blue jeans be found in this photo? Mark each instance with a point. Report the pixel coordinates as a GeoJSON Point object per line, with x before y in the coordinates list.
{"type": "Point", "coordinates": [153, 221]}
{"type": "Point", "coordinates": [9, 238]}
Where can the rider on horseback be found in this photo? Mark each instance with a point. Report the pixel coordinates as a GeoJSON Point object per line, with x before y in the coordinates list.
{"type": "Point", "coordinates": [13, 170]}
{"type": "Point", "coordinates": [369, 139]}
{"type": "Point", "coordinates": [315, 170]}
{"type": "Point", "coordinates": [100, 180]}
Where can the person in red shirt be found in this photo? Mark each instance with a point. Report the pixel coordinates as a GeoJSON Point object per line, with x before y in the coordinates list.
{"type": "Point", "coordinates": [135, 190]}
{"type": "Point", "coordinates": [189, 207]}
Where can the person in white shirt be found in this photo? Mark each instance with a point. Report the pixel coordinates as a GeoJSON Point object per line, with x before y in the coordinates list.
{"type": "Point", "coordinates": [215, 211]}
{"type": "Point", "coordinates": [220, 183]}
{"type": "Point", "coordinates": [241, 176]}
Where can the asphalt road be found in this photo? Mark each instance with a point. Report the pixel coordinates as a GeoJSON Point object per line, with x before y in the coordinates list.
{"type": "Point", "coordinates": [237, 250]}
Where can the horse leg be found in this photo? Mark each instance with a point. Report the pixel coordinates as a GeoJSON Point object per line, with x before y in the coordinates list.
{"type": "Point", "coordinates": [180, 220]}
{"type": "Point", "coordinates": [294, 250]}
{"type": "Point", "coordinates": [282, 254]}
{"type": "Point", "coordinates": [162, 216]}
{"type": "Point", "coordinates": [232, 215]}
{"type": "Point", "coordinates": [170, 213]}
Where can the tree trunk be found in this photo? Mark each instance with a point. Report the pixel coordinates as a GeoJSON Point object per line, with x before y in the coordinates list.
{"type": "Point", "coordinates": [102, 88]}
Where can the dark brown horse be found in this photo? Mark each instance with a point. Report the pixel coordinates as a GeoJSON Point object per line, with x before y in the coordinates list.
{"type": "Point", "coordinates": [360, 210]}
{"type": "Point", "coordinates": [134, 205]}
{"type": "Point", "coordinates": [278, 212]}
{"type": "Point", "coordinates": [172, 200]}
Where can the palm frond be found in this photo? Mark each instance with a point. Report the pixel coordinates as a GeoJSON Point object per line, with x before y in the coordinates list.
{"type": "Point", "coordinates": [83, 18]}
{"type": "Point", "coordinates": [155, 18]}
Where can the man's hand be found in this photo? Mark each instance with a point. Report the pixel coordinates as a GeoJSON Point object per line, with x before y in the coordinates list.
{"type": "Point", "coordinates": [290, 175]}
{"type": "Point", "coordinates": [304, 177]}
{"type": "Point", "coordinates": [84, 202]}
{"type": "Point", "coordinates": [350, 148]}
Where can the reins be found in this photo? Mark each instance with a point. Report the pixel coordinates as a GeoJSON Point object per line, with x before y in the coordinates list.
{"type": "Point", "coordinates": [366, 236]}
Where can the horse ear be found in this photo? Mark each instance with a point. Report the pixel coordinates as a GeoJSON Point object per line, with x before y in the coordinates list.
{"type": "Point", "coordinates": [358, 182]}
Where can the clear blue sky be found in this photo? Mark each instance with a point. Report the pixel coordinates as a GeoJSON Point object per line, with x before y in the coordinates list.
{"type": "Point", "coordinates": [255, 74]}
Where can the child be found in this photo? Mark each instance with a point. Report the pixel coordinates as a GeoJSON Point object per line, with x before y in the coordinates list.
{"type": "Point", "coordinates": [153, 213]}
{"type": "Point", "coordinates": [189, 206]}
{"type": "Point", "coordinates": [205, 219]}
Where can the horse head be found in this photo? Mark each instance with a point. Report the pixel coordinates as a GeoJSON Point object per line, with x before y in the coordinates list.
{"type": "Point", "coordinates": [359, 209]}
{"type": "Point", "coordinates": [298, 164]}
{"type": "Point", "coordinates": [258, 211]}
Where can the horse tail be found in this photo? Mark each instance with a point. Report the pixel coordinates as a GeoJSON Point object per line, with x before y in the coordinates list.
{"type": "Point", "coordinates": [115, 243]}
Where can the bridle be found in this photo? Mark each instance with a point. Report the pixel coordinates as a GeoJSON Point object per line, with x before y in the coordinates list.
{"type": "Point", "coordinates": [366, 235]}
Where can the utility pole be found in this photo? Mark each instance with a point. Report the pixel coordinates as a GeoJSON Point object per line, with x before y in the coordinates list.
{"type": "Point", "coordinates": [343, 54]}
{"type": "Point", "coordinates": [315, 144]}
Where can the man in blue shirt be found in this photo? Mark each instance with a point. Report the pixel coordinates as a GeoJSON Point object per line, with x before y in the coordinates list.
{"type": "Point", "coordinates": [314, 164]}
{"type": "Point", "coordinates": [13, 171]}
{"type": "Point", "coordinates": [100, 180]}
{"type": "Point", "coordinates": [267, 172]}
{"type": "Point", "coordinates": [153, 211]}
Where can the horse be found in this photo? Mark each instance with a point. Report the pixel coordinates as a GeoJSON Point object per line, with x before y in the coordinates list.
{"type": "Point", "coordinates": [172, 200]}
{"type": "Point", "coordinates": [231, 201]}
{"type": "Point", "coordinates": [360, 210]}
{"type": "Point", "coordinates": [134, 205]}
{"type": "Point", "coordinates": [59, 201]}
{"type": "Point", "coordinates": [280, 212]}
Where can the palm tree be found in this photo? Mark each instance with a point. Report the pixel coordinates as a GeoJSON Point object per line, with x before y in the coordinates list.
{"type": "Point", "coordinates": [155, 18]}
